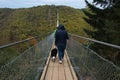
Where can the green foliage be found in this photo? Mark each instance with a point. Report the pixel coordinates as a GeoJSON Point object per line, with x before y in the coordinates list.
{"type": "Point", "coordinates": [19, 24]}
{"type": "Point", "coordinates": [73, 20]}
{"type": "Point", "coordinates": [106, 28]}
{"type": "Point", "coordinates": [7, 55]}
{"type": "Point", "coordinates": [105, 3]}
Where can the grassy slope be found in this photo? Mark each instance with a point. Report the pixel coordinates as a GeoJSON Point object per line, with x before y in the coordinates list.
{"type": "Point", "coordinates": [18, 24]}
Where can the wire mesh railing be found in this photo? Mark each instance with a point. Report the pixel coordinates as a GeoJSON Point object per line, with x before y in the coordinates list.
{"type": "Point", "coordinates": [29, 64]}
{"type": "Point", "coordinates": [89, 65]}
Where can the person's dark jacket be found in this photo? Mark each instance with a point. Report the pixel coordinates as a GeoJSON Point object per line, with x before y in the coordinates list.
{"type": "Point", "coordinates": [61, 36]}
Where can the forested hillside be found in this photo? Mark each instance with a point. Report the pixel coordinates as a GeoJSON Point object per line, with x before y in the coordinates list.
{"type": "Point", "coordinates": [22, 23]}
{"type": "Point", "coordinates": [19, 24]}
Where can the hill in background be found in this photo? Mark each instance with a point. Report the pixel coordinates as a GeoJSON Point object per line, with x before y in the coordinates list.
{"type": "Point", "coordinates": [19, 24]}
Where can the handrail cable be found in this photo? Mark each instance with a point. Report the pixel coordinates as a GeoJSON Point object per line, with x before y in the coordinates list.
{"type": "Point", "coordinates": [29, 63]}
{"type": "Point", "coordinates": [100, 42]}
{"type": "Point", "coordinates": [14, 43]}
{"type": "Point", "coordinates": [90, 64]}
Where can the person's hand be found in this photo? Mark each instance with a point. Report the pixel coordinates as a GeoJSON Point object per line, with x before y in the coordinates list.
{"type": "Point", "coordinates": [55, 46]}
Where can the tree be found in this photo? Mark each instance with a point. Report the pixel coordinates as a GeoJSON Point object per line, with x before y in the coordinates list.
{"type": "Point", "coordinates": [106, 27]}
{"type": "Point", "coordinates": [105, 3]}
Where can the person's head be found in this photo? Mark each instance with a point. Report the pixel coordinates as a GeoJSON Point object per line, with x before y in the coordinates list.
{"type": "Point", "coordinates": [61, 26]}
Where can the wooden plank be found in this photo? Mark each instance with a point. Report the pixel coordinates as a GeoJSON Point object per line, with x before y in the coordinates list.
{"type": "Point", "coordinates": [49, 71]}
{"type": "Point", "coordinates": [46, 66]}
{"type": "Point", "coordinates": [71, 68]}
{"type": "Point", "coordinates": [45, 69]}
{"type": "Point", "coordinates": [55, 71]}
{"type": "Point", "coordinates": [61, 73]}
{"type": "Point", "coordinates": [65, 62]}
{"type": "Point", "coordinates": [68, 74]}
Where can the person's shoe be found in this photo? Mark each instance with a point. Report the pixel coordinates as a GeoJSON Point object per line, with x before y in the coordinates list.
{"type": "Point", "coordinates": [53, 59]}
{"type": "Point", "coordinates": [60, 62]}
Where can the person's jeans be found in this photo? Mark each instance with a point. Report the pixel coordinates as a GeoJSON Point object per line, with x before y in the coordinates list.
{"type": "Point", "coordinates": [61, 49]}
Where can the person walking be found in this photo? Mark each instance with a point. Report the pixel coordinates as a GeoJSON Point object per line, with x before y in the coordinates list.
{"type": "Point", "coordinates": [61, 37]}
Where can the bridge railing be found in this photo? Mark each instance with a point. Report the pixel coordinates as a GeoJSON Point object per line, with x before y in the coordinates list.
{"type": "Point", "coordinates": [88, 64]}
{"type": "Point", "coordinates": [29, 64]}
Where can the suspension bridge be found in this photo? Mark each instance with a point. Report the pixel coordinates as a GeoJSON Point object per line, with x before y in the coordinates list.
{"type": "Point", "coordinates": [80, 62]}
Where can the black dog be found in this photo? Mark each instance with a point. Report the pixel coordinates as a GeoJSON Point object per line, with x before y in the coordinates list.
{"type": "Point", "coordinates": [53, 53]}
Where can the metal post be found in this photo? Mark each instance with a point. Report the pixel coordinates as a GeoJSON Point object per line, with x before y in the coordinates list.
{"type": "Point", "coordinates": [57, 17]}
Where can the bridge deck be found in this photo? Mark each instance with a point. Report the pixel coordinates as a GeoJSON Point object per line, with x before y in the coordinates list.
{"type": "Point", "coordinates": [56, 71]}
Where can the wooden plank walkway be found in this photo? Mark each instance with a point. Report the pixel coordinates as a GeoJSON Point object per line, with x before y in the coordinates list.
{"type": "Point", "coordinates": [57, 71]}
